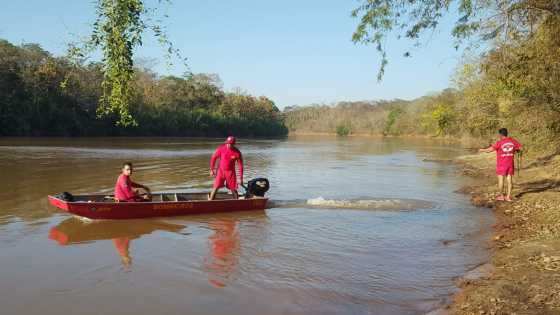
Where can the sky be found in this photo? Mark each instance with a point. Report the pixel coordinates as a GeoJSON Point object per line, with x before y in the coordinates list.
{"type": "Point", "coordinates": [296, 52]}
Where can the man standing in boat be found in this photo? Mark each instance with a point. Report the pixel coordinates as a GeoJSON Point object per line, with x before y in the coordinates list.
{"type": "Point", "coordinates": [505, 148]}
{"type": "Point", "coordinates": [225, 174]}
{"type": "Point", "coordinates": [124, 191]}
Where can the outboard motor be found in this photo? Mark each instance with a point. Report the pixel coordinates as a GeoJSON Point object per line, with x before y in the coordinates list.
{"type": "Point", "coordinates": [257, 187]}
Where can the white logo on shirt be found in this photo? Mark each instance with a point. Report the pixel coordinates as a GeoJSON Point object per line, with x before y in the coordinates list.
{"type": "Point", "coordinates": [508, 148]}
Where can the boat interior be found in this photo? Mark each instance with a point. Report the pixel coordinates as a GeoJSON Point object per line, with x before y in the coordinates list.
{"type": "Point", "coordinates": [158, 197]}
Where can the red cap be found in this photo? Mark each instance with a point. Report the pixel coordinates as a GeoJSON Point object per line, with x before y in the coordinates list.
{"type": "Point", "coordinates": [230, 140]}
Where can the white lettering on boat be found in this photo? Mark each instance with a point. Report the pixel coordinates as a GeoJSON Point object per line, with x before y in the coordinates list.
{"type": "Point", "coordinates": [171, 206]}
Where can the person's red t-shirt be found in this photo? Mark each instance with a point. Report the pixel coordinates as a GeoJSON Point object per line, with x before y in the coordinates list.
{"type": "Point", "coordinates": [123, 189]}
{"type": "Point", "coordinates": [228, 157]}
{"type": "Point", "coordinates": [505, 151]}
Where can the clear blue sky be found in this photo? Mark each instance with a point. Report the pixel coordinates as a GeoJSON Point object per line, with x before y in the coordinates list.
{"type": "Point", "coordinates": [295, 52]}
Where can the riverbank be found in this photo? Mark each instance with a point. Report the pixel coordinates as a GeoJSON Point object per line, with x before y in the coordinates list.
{"type": "Point", "coordinates": [361, 134]}
{"type": "Point", "coordinates": [463, 141]}
{"type": "Point", "coordinates": [523, 276]}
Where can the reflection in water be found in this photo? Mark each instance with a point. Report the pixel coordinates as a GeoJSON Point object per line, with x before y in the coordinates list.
{"type": "Point", "coordinates": [224, 251]}
{"type": "Point", "coordinates": [122, 245]}
{"type": "Point", "coordinates": [223, 246]}
{"type": "Point", "coordinates": [74, 231]}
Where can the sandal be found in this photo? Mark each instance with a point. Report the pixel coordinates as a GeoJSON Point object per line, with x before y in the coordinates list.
{"type": "Point", "coordinates": [500, 198]}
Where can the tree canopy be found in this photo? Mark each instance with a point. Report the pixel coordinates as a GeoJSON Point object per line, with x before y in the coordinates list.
{"type": "Point", "coordinates": [486, 20]}
{"type": "Point", "coordinates": [43, 95]}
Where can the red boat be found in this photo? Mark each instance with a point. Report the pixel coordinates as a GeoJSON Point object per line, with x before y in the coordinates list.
{"type": "Point", "coordinates": [162, 205]}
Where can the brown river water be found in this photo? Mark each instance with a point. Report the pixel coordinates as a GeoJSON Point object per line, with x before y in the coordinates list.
{"type": "Point", "coordinates": [355, 226]}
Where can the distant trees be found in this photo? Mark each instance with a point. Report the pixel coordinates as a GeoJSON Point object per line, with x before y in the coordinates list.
{"type": "Point", "coordinates": [34, 95]}
{"type": "Point", "coordinates": [392, 117]}
{"type": "Point", "coordinates": [343, 118]}
{"type": "Point", "coordinates": [514, 82]}
{"type": "Point", "coordinates": [343, 130]}
{"type": "Point", "coordinates": [440, 114]}
{"type": "Point", "coordinates": [46, 96]}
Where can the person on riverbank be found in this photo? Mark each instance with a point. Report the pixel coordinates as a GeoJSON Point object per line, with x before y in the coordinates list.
{"type": "Point", "coordinates": [505, 148]}
{"type": "Point", "coordinates": [225, 174]}
{"type": "Point", "coordinates": [124, 188]}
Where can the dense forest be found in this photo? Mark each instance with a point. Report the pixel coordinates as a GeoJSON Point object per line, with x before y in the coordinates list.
{"type": "Point", "coordinates": [44, 95]}
{"type": "Point", "coordinates": [427, 115]}
{"type": "Point", "coordinates": [515, 84]}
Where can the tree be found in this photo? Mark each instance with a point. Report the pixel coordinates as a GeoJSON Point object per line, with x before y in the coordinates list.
{"type": "Point", "coordinates": [391, 119]}
{"type": "Point", "coordinates": [487, 19]}
{"type": "Point", "coordinates": [343, 130]}
{"type": "Point", "coordinates": [117, 31]}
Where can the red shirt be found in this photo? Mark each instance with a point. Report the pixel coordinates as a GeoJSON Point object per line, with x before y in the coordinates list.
{"type": "Point", "coordinates": [123, 189]}
{"type": "Point", "coordinates": [228, 157]}
{"type": "Point", "coordinates": [505, 150]}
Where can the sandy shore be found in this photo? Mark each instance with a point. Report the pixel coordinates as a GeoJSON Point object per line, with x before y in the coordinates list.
{"type": "Point", "coordinates": [523, 276]}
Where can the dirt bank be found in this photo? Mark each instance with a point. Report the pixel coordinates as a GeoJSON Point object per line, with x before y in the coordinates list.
{"type": "Point", "coordinates": [525, 263]}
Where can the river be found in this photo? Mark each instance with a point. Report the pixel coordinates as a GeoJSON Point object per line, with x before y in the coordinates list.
{"type": "Point", "coordinates": [355, 226]}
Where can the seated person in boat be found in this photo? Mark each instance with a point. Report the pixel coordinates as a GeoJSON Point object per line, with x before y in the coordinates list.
{"type": "Point", "coordinates": [125, 188]}
{"type": "Point", "coordinates": [225, 174]}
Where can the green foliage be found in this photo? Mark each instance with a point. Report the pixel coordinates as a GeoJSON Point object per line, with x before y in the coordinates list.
{"type": "Point", "coordinates": [41, 95]}
{"type": "Point", "coordinates": [118, 31]}
{"type": "Point", "coordinates": [394, 113]}
{"type": "Point", "coordinates": [342, 130]}
{"type": "Point", "coordinates": [441, 117]}
{"type": "Point", "coordinates": [487, 20]}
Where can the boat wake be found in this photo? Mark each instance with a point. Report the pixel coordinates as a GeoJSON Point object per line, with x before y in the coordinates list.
{"type": "Point", "coordinates": [360, 204]}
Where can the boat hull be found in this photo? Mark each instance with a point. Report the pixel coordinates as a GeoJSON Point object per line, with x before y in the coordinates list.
{"type": "Point", "coordinates": [97, 210]}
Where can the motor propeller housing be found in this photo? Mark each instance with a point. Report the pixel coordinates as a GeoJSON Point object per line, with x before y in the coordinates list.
{"type": "Point", "coordinates": [257, 187]}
